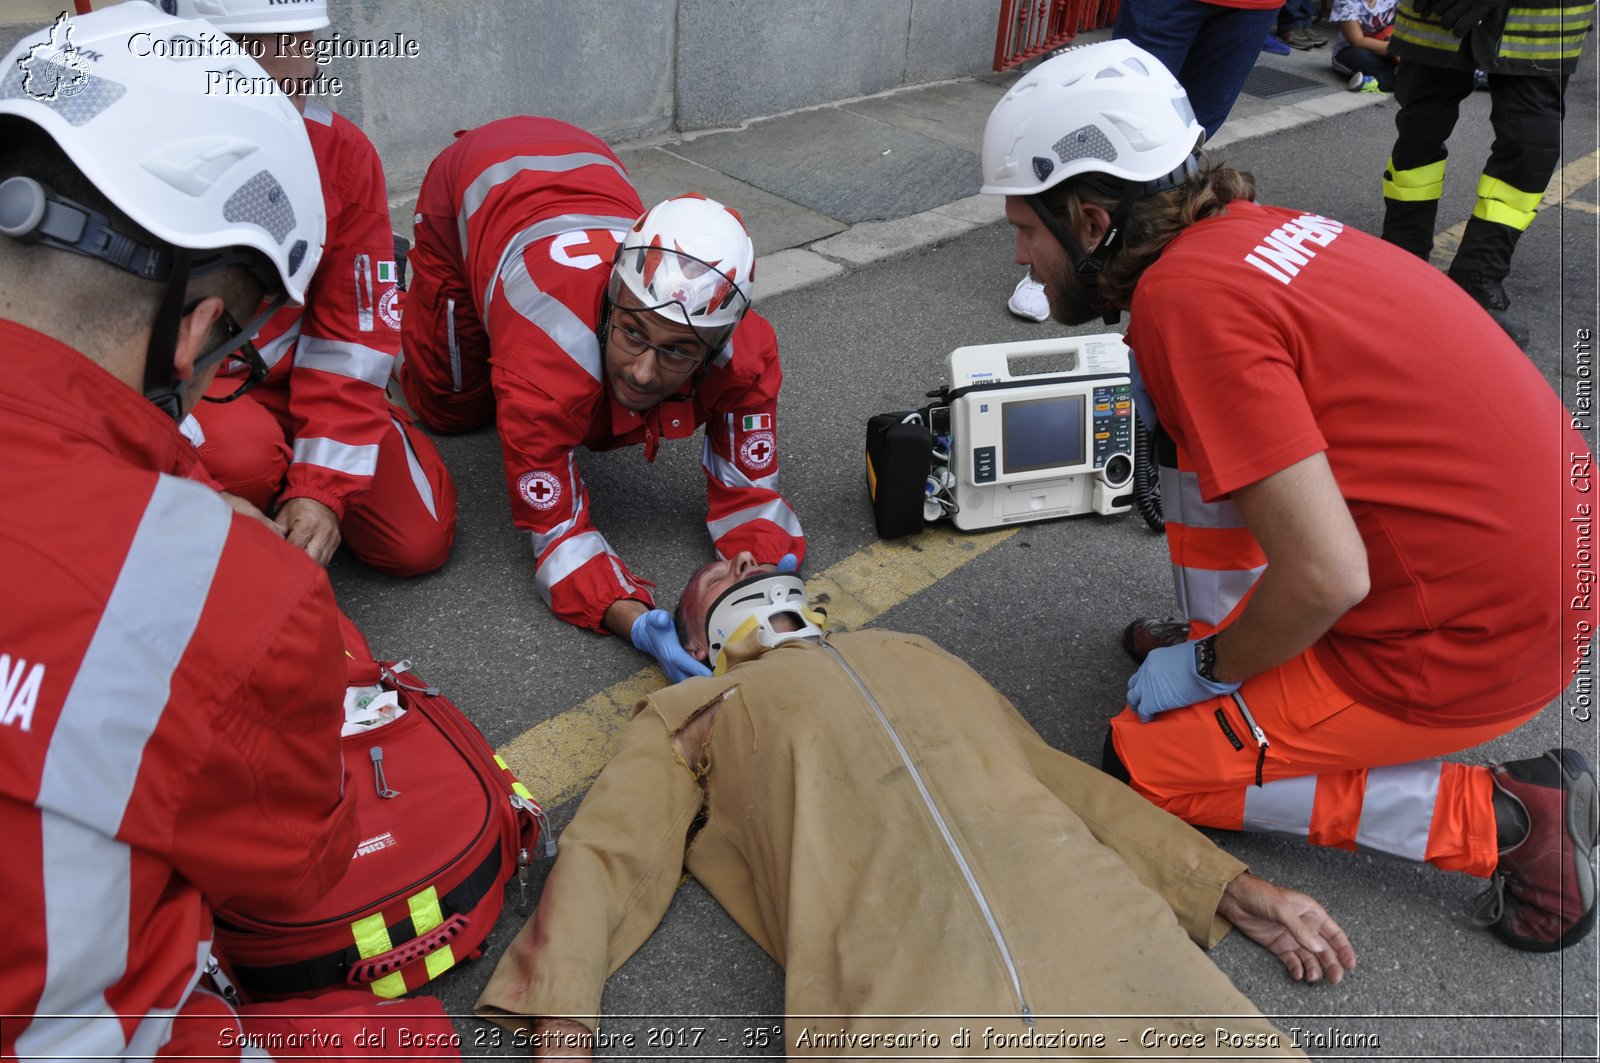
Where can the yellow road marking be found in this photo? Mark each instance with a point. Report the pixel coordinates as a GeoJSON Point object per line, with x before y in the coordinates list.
{"type": "Point", "coordinates": [1563, 186]}
{"type": "Point", "coordinates": [560, 757]}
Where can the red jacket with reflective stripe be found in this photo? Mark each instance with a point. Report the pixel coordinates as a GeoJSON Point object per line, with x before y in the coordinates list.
{"type": "Point", "coordinates": [538, 207]}
{"type": "Point", "coordinates": [334, 355]}
{"type": "Point", "coordinates": [170, 687]}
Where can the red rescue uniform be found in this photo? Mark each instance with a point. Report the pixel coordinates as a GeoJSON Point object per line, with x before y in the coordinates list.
{"type": "Point", "coordinates": [171, 677]}
{"type": "Point", "coordinates": [320, 426]}
{"type": "Point", "coordinates": [516, 227]}
{"type": "Point", "coordinates": [1256, 337]}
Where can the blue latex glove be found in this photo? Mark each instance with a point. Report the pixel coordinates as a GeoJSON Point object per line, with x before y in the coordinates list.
{"type": "Point", "coordinates": [788, 563]}
{"type": "Point", "coordinates": [1167, 680]}
{"type": "Point", "coordinates": [655, 634]}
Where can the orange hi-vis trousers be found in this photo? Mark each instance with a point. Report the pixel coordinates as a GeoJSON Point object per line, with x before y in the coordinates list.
{"type": "Point", "coordinates": [1333, 770]}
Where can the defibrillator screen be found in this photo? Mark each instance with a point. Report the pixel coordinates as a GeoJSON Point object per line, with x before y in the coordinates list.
{"type": "Point", "coordinates": [1042, 434]}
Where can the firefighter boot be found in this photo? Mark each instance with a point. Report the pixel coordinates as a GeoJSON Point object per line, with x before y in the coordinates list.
{"type": "Point", "coordinates": [1542, 895]}
{"type": "Point", "coordinates": [1490, 294]}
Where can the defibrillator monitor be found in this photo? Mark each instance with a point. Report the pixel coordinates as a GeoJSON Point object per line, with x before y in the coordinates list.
{"type": "Point", "coordinates": [1040, 429]}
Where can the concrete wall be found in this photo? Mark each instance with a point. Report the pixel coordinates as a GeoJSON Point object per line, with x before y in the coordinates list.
{"type": "Point", "coordinates": [626, 69]}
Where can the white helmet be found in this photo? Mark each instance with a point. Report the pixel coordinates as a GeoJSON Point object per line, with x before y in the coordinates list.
{"type": "Point", "coordinates": [748, 606]}
{"type": "Point", "coordinates": [252, 16]}
{"type": "Point", "coordinates": [1108, 108]}
{"type": "Point", "coordinates": [201, 170]}
{"type": "Point", "coordinates": [689, 259]}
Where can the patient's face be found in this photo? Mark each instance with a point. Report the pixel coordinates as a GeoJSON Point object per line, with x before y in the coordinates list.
{"type": "Point", "coordinates": [704, 588]}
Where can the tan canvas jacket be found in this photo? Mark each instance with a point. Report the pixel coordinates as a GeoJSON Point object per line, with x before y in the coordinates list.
{"type": "Point", "coordinates": [884, 824]}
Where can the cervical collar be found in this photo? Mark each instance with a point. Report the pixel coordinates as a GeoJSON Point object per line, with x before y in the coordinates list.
{"type": "Point", "coordinates": [748, 607]}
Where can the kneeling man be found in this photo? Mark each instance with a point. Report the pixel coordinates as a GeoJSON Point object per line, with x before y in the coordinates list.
{"type": "Point", "coordinates": [994, 876]}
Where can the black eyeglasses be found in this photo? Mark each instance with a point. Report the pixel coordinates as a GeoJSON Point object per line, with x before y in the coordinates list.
{"type": "Point", "coordinates": [677, 359]}
{"type": "Point", "coordinates": [238, 355]}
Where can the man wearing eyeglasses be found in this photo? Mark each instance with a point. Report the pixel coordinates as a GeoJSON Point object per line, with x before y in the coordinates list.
{"type": "Point", "coordinates": [547, 298]}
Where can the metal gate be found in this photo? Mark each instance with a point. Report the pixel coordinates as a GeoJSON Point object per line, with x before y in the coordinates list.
{"type": "Point", "coordinates": [1030, 28]}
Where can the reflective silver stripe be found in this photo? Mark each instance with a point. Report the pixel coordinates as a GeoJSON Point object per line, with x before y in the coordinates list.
{"type": "Point", "coordinates": [944, 831]}
{"type": "Point", "coordinates": [729, 473]}
{"type": "Point", "coordinates": [1209, 595]}
{"type": "Point", "coordinates": [340, 457]}
{"type": "Point", "coordinates": [724, 355]}
{"type": "Point", "coordinates": [551, 316]}
{"type": "Point", "coordinates": [110, 711]}
{"type": "Point", "coordinates": [564, 223]}
{"type": "Point", "coordinates": [777, 511]}
{"type": "Point", "coordinates": [352, 360]}
{"type": "Point", "coordinates": [567, 558]}
{"type": "Point", "coordinates": [501, 172]}
{"type": "Point", "coordinates": [1397, 808]}
{"type": "Point", "coordinates": [317, 111]}
{"type": "Point", "coordinates": [419, 479]}
{"type": "Point", "coordinates": [1189, 509]}
{"type": "Point", "coordinates": [272, 353]}
{"type": "Point", "coordinates": [1282, 806]}
{"type": "Point", "coordinates": [450, 341]}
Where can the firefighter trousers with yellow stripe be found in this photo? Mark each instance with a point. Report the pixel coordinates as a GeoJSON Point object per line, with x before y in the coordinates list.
{"type": "Point", "coordinates": [1332, 770]}
{"type": "Point", "coordinates": [1525, 111]}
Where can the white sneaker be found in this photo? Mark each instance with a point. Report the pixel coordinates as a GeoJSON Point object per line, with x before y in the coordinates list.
{"type": "Point", "coordinates": [1029, 301]}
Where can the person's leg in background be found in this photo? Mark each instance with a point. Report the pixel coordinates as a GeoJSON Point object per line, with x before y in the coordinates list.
{"type": "Point", "coordinates": [1526, 112]}
{"type": "Point", "coordinates": [1294, 24]}
{"type": "Point", "coordinates": [1430, 101]}
{"type": "Point", "coordinates": [444, 368]}
{"type": "Point", "coordinates": [405, 523]}
{"type": "Point", "coordinates": [243, 446]}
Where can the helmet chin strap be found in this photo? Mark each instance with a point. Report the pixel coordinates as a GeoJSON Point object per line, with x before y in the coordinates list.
{"type": "Point", "coordinates": [1088, 265]}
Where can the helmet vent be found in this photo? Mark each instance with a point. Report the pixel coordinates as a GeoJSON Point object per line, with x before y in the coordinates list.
{"type": "Point", "coordinates": [78, 107]}
{"type": "Point", "coordinates": [261, 201]}
{"type": "Point", "coordinates": [1085, 142]}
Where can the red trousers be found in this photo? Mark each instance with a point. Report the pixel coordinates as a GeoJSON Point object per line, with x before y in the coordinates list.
{"type": "Point", "coordinates": [445, 370]}
{"type": "Point", "coordinates": [1335, 771]}
{"type": "Point", "coordinates": [404, 524]}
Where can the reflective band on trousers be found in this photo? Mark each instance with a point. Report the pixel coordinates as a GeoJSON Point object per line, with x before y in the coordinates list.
{"type": "Point", "coordinates": [1396, 809]}
{"type": "Point", "coordinates": [112, 708]}
{"type": "Point", "coordinates": [1505, 204]}
{"type": "Point", "coordinates": [1415, 185]}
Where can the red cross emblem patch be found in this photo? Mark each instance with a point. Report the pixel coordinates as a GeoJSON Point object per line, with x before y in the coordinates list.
{"type": "Point", "coordinates": [541, 490]}
{"type": "Point", "coordinates": [758, 450]}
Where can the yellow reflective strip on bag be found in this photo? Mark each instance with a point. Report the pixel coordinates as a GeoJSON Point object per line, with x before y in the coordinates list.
{"type": "Point", "coordinates": [425, 915]}
{"type": "Point", "coordinates": [372, 939]}
{"type": "Point", "coordinates": [1418, 183]}
{"type": "Point", "coordinates": [500, 763]}
{"type": "Point", "coordinates": [1505, 204]}
{"type": "Point", "coordinates": [439, 962]}
{"type": "Point", "coordinates": [522, 791]}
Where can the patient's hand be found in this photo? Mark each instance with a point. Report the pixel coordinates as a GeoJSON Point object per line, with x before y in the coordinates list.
{"type": "Point", "coordinates": [1290, 925]}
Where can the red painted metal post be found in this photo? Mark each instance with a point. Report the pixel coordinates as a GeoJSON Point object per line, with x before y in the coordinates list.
{"type": "Point", "coordinates": [1030, 28]}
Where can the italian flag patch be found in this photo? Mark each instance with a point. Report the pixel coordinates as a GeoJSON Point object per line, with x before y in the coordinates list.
{"type": "Point", "coordinates": [756, 422]}
{"type": "Point", "coordinates": [386, 274]}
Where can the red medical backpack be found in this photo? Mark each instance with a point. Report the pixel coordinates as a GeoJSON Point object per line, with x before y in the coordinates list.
{"type": "Point", "coordinates": [444, 825]}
